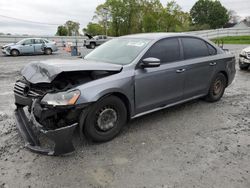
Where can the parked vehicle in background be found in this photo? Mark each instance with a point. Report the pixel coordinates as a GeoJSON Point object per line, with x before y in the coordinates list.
{"type": "Point", "coordinates": [244, 60]}
{"type": "Point", "coordinates": [125, 78]}
{"type": "Point", "coordinates": [92, 42]}
{"type": "Point", "coordinates": [30, 46]}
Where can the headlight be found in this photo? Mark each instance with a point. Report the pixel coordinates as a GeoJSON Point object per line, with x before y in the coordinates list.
{"type": "Point", "coordinates": [243, 53]}
{"type": "Point", "coordinates": [62, 98]}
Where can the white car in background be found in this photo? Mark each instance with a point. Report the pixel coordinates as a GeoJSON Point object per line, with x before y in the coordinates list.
{"type": "Point", "coordinates": [244, 61]}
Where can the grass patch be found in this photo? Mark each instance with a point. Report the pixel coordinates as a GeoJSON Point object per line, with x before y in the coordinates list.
{"type": "Point", "coordinates": [234, 40]}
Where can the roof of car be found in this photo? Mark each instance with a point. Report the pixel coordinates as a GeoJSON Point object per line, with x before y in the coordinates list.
{"type": "Point", "coordinates": [154, 36]}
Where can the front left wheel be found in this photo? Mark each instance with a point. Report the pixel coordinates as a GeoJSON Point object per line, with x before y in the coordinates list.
{"type": "Point", "coordinates": [105, 119]}
{"type": "Point", "coordinates": [14, 53]}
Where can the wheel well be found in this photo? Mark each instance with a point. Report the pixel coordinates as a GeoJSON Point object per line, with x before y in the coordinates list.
{"type": "Point", "coordinates": [125, 100]}
{"type": "Point", "coordinates": [92, 43]}
{"type": "Point", "coordinates": [48, 48]}
{"type": "Point", "coordinates": [225, 74]}
{"type": "Point", "coordinates": [15, 49]}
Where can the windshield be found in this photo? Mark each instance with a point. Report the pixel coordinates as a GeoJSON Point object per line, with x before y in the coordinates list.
{"type": "Point", "coordinates": [120, 51]}
{"type": "Point", "coordinates": [21, 41]}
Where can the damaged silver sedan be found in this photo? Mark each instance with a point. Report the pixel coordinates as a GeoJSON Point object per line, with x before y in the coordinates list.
{"type": "Point", "coordinates": [124, 78]}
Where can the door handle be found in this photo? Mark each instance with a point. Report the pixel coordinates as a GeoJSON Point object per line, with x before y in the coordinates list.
{"type": "Point", "coordinates": [180, 70]}
{"type": "Point", "coordinates": [212, 63]}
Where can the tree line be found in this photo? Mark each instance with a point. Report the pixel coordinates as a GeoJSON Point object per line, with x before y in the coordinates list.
{"type": "Point", "coordinates": [121, 17]}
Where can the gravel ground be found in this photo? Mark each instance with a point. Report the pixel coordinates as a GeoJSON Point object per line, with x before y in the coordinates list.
{"type": "Point", "coordinates": [197, 144]}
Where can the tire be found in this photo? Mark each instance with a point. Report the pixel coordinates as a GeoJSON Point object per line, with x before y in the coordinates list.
{"type": "Point", "coordinates": [217, 88]}
{"type": "Point", "coordinates": [105, 119]}
{"type": "Point", "coordinates": [48, 51]}
{"type": "Point", "coordinates": [14, 53]}
{"type": "Point", "coordinates": [92, 45]}
{"type": "Point", "coordinates": [243, 66]}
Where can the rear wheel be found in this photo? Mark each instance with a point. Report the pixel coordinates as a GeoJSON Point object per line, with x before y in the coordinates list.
{"type": "Point", "coordinates": [48, 51]}
{"type": "Point", "coordinates": [14, 53]}
{"type": "Point", "coordinates": [105, 119]}
{"type": "Point", "coordinates": [217, 88]}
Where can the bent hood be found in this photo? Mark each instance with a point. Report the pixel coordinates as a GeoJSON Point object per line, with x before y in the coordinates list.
{"type": "Point", "coordinates": [47, 71]}
{"type": "Point", "coordinates": [7, 45]}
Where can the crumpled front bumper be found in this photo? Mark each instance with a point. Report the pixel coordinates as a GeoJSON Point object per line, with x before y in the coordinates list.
{"type": "Point", "coordinates": [29, 129]}
{"type": "Point", "coordinates": [5, 51]}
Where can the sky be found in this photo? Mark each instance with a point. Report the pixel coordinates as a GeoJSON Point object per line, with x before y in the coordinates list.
{"type": "Point", "coordinates": [51, 13]}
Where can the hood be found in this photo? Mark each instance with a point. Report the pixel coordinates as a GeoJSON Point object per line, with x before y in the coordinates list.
{"type": "Point", "coordinates": [246, 49]}
{"type": "Point", "coordinates": [89, 36]}
{"type": "Point", "coordinates": [7, 45]}
{"type": "Point", "coordinates": [47, 71]}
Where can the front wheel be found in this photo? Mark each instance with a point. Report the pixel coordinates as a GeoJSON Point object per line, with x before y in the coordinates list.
{"type": "Point", "coordinates": [217, 88]}
{"type": "Point", "coordinates": [105, 119]}
{"type": "Point", "coordinates": [92, 45]}
{"type": "Point", "coordinates": [14, 53]}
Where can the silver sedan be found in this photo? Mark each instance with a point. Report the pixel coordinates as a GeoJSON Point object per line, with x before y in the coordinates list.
{"type": "Point", "coordinates": [30, 46]}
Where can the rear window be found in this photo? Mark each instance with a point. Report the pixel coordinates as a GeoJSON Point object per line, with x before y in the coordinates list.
{"type": "Point", "coordinates": [38, 41]}
{"type": "Point", "coordinates": [194, 48]}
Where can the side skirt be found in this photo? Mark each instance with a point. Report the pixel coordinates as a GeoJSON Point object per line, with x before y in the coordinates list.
{"type": "Point", "coordinates": [167, 106]}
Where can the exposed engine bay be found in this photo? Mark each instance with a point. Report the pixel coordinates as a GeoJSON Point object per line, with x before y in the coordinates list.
{"type": "Point", "coordinates": [52, 117]}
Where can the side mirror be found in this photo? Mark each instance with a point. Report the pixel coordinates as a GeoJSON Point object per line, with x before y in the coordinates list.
{"type": "Point", "coordinates": [150, 62]}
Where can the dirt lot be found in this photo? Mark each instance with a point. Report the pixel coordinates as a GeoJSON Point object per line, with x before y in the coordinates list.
{"type": "Point", "coordinates": [197, 144]}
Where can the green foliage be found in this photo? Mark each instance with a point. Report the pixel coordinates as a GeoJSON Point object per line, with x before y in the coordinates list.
{"type": "Point", "coordinates": [134, 16]}
{"type": "Point", "coordinates": [72, 27]}
{"type": "Point", "coordinates": [62, 31]}
{"type": "Point", "coordinates": [209, 12]}
{"type": "Point", "coordinates": [94, 29]}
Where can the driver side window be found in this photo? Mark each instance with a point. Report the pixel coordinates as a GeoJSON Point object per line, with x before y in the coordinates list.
{"type": "Point", "coordinates": [28, 41]}
{"type": "Point", "coordinates": [167, 50]}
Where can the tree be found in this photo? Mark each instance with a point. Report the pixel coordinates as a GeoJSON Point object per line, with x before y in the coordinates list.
{"type": "Point", "coordinates": [72, 27]}
{"type": "Point", "coordinates": [62, 31]}
{"type": "Point", "coordinates": [123, 17]}
{"type": "Point", "coordinates": [209, 12]}
{"type": "Point", "coordinates": [93, 29]}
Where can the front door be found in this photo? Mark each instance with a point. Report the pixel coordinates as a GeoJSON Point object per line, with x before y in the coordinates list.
{"type": "Point", "coordinates": [27, 46]}
{"type": "Point", "coordinates": [160, 86]}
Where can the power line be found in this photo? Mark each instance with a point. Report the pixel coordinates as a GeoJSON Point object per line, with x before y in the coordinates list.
{"type": "Point", "coordinates": [29, 21]}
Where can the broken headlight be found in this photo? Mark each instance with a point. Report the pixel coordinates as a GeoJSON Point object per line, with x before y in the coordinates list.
{"type": "Point", "coordinates": [61, 98]}
{"type": "Point", "coordinates": [243, 53]}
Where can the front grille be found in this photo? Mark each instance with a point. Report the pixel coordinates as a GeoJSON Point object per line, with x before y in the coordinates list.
{"type": "Point", "coordinates": [21, 88]}
{"type": "Point", "coordinates": [248, 55]}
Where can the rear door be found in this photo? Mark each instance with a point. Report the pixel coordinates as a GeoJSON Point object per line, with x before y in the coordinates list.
{"type": "Point", "coordinates": [159, 86]}
{"type": "Point", "coordinates": [39, 46]}
{"type": "Point", "coordinates": [27, 46]}
{"type": "Point", "coordinates": [100, 40]}
{"type": "Point", "coordinates": [199, 65]}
